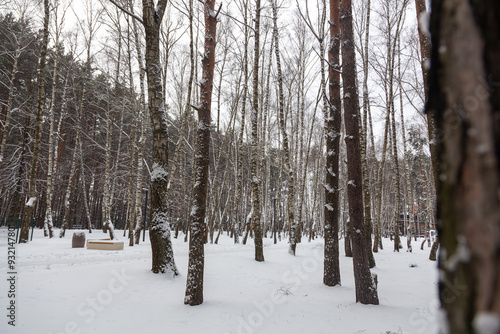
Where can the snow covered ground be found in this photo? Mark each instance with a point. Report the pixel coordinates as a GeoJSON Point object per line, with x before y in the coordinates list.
{"type": "Point", "coordinates": [65, 290]}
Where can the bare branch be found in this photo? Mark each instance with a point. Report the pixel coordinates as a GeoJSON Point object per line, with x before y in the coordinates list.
{"type": "Point", "coordinates": [127, 11]}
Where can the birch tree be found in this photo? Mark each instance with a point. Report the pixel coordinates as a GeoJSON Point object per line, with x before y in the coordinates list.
{"type": "Point", "coordinates": [58, 25]}
{"type": "Point", "coordinates": [255, 182]}
{"type": "Point", "coordinates": [285, 141]}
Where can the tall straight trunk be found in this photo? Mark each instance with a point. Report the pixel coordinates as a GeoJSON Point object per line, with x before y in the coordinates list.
{"type": "Point", "coordinates": [159, 226]}
{"type": "Point", "coordinates": [82, 163]}
{"type": "Point", "coordinates": [139, 179]}
{"type": "Point", "coordinates": [69, 188]}
{"type": "Point", "coordinates": [194, 285]}
{"type": "Point", "coordinates": [28, 209]}
{"type": "Point", "coordinates": [255, 182]}
{"type": "Point", "coordinates": [396, 180]}
{"type": "Point", "coordinates": [366, 286]}
{"type": "Point", "coordinates": [364, 144]}
{"type": "Point", "coordinates": [379, 187]}
{"type": "Point", "coordinates": [142, 138]}
{"type": "Point", "coordinates": [391, 59]}
{"type": "Point", "coordinates": [106, 205]}
{"type": "Point", "coordinates": [333, 122]}
{"type": "Point", "coordinates": [239, 149]}
{"type": "Point", "coordinates": [464, 96]}
{"type": "Point", "coordinates": [408, 188]}
{"type": "Point", "coordinates": [113, 179]}
{"type": "Point", "coordinates": [285, 143]}
{"type": "Point", "coordinates": [132, 149]}
{"type": "Point", "coordinates": [48, 221]}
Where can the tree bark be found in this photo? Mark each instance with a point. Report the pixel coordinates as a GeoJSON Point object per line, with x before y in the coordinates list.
{"type": "Point", "coordinates": [159, 226]}
{"type": "Point", "coordinates": [194, 286]}
{"type": "Point", "coordinates": [255, 182]}
{"type": "Point", "coordinates": [28, 209]}
{"type": "Point", "coordinates": [331, 275]}
{"type": "Point", "coordinates": [363, 124]}
{"type": "Point", "coordinates": [464, 95]}
{"type": "Point", "coordinates": [239, 148]}
{"type": "Point", "coordinates": [366, 288]}
{"type": "Point", "coordinates": [285, 143]}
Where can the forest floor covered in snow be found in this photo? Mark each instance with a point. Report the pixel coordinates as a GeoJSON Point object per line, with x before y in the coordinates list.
{"type": "Point", "coordinates": [75, 290]}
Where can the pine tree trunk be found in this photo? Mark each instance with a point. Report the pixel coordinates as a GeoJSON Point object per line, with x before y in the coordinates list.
{"type": "Point", "coordinates": [464, 96]}
{"type": "Point", "coordinates": [366, 289]}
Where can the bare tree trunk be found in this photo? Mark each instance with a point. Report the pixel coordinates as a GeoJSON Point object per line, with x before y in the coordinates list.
{"type": "Point", "coordinates": [48, 221]}
{"type": "Point", "coordinates": [28, 209]}
{"type": "Point", "coordinates": [464, 96]}
{"type": "Point", "coordinates": [159, 226]}
{"type": "Point", "coordinates": [239, 149]}
{"type": "Point", "coordinates": [366, 286]}
{"type": "Point", "coordinates": [284, 134]}
{"type": "Point", "coordinates": [379, 188]}
{"type": "Point", "coordinates": [255, 182]}
{"type": "Point", "coordinates": [194, 285]}
{"type": "Point", "coordinates": [396, 180]}
{"type": "Point", "coordinates": [142, 139]}
{"type": "Point", "coordinates": [106, 205]}
{"type": "Point", "coordinates": [331, 275]}
{"type": "Point", "coordinates": [364, 143]}
{"type": "Point", "coordinates": [69, 187]}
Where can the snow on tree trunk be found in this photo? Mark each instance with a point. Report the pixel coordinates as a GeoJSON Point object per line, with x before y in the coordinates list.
{"type": "Point", "coordinates": [332, 119]}
{"type": "Point", "coordinates": [254, 165]}
{"type": "Point", "coordinates": [159, 226]}
{"type": "Point", "coordinates": [366, 288]}
{"type": "Point", "coordinates": [464, 96]}
{"type": "Point", "coordinates": [194, 285]}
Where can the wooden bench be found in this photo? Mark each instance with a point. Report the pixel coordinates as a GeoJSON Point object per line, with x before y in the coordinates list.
{"type": "Point", "coordinates": [104, 244]}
